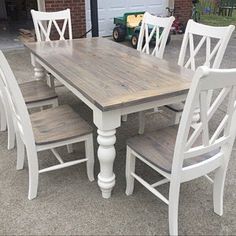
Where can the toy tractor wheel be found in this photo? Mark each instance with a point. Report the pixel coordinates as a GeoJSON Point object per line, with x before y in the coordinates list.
{"type": "Point", "coordinates": [134, 40]}
{"type": "Point", "coordinates": [119, 34]}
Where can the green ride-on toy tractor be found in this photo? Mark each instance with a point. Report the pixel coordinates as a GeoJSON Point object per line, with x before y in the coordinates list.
{"type": "Point", "coordinates": [128, 28]}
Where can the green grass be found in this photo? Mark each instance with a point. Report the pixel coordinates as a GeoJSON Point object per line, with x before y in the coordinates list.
{"type": "Point", "coordinates": [216, 20]}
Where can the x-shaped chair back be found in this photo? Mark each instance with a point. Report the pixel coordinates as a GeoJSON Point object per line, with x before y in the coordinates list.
{"type": "Point", "coordinates": [214, 52]}
{"type": "Point", "coordinates": [43, 22]}
{"type": "Point", "coordinates": [156, 29]}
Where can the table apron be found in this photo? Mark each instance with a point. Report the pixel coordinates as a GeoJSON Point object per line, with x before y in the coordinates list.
{"type": "Point", "coordinates": [107, 120]}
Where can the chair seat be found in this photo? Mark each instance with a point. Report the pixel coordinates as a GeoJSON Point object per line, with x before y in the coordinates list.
{"type": "Point", "coordinates": [37, 91]}
{"type": "Point", "coordinates": [158, 148]}
{"type": "Point", "coordinates": [58, 124]}
{"type": "Point", "coordinates": [177, 107]}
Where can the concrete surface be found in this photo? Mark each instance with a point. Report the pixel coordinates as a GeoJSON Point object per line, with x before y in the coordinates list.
{"type": "Point", "coordinates": [68, 203]}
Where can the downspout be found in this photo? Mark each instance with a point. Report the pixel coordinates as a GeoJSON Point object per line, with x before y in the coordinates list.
{"type": "Point", "coordinates": [94, 17]}
{"type": "Point", "coordinates": [41, 5]}
{"type": "Point", "coordinates": [171, 4]}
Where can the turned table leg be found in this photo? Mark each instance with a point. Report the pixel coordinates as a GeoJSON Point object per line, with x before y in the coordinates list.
{"type": "Point", "coordinates": [106, 156]}
{"type": "Point", "coordinates": [39, 72]}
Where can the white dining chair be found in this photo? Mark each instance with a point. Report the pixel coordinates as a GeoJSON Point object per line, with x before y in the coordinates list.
{"type": "Point", "coordinates": [157, 28]}
{"type": "Point", "coordinates": [43, 22]}
{"type": "Point", "coordinates": [189, 52]}
{"type": "Point", "coordinates": [45, 130]}
{"type": "Point", "coordinates": [181, 154]}
{"type": "Point", "coordinates": [52, 25]}
{"type": "Point", "coordinates": [37, 94]}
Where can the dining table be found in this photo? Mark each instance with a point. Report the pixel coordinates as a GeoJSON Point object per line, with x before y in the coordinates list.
{"type": "Point", "coordinates": [113, 80]}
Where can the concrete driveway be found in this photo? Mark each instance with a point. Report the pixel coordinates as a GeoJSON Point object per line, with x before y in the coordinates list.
{"type": "Point", "coordinates": [68, 203]}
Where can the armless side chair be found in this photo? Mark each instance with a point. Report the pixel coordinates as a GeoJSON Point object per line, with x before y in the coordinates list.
{"type": "Point", "coordinates": [153, 27]}
{"type": "Point", "coordinates": [50, 24]}
{"type": "Point", "coordinates": [181, 153]}
{"type": "Point", "coordinates": [45, 130]}
{"type": "Point", "coordinates": [37, 94]}
{"type": "Point", "coordinates": [189, 53]}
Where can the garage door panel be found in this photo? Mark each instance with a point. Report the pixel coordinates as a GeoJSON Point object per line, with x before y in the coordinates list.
{"type": "Point", "coordinates": [108, 9]}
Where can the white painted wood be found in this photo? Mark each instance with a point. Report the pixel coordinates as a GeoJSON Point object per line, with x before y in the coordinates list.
{"type": "Point", "coordinates": [109, 121]}
{"type": "Point", "coordinates": [130, 168]}
{"type": "Point", "coordinates": [214, 55]}
{"type": "Point", "coordinates": [151, 26]}
{"type": "Point", "coordinates": [6, 116]}
{"type": "Point", "coordinates": [43, 22]}
{"type": "Point", "coordinates": [220, 142]}
{"type": "Point", "coordinates": [25, 135]}
{"type": "Point", "coordinates": [3, 121]}
{"type": "Point", "coordinates": [106, 156]}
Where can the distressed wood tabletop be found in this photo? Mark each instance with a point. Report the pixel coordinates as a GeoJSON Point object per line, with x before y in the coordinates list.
{"type": "Point", "coordinates": [111, 75]}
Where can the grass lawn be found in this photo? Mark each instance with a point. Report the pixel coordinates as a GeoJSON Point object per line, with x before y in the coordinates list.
{"type": "Point", "coordinates": [216, 20]}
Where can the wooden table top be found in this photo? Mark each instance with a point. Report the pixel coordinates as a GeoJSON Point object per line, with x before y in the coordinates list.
{"type": "Point", "coordinates": [111, 75]}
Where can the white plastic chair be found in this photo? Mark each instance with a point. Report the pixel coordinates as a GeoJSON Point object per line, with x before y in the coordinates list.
{"type": "Point", "coordinates": [153, 27]}
{"type": "Point", "coordinates": [45, 130]}
{"type": "Point", "coordinates": [213, 54]}
{"type": "Point", "coordinates": [181, 154]}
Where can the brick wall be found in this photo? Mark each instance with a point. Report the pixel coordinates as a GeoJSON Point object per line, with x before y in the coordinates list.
{"type": "Point", "coordinates": [77, 8]}
{"type": "Point", "coordinates": [183, 9]}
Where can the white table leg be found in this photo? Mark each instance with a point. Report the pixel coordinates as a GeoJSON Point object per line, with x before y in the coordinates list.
{"type": "Point", "coordinates": [39, 71]}
{"type": "Point", "coordinates": [106, 122]}
{"type": "Point", "coordinates": [106, 156]}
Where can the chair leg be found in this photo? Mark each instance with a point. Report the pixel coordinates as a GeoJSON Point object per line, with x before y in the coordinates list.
{"type": "Point", "coordinates": [55, 103]}
{"type": "Point", "coordinates": [218, 190]}
{"type": "Point", "coordinates": [33, 172]}
{"type": "Point", "coordinates": [177, 117]}
{"type": "Point", "coordinates": [89, 152]}
{"type": "Point", "coordinates": [173, 207]}
{"type": "Point", "coordinates": [124, 118]}
{"type": "Point", "coordinates": [141, 122]}
{"type": "Point", "coordinates": [20, 153]}
{"type": "Point", "coordinates": [11, 135]}
{"type": "Point", "coordinates": [130, 168]}
{"type": "Point", "coordinates": [69, 148]}
{"type": "Point", "coordinates": [50, 81]}
{"type": "Point", "coordinates": [3, 122]}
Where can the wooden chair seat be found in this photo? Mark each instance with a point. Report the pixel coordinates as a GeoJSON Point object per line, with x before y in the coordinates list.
{"type": "Point", "coordinates": [158, 148]}
{"type": "Point", "coordinates": [58, 124]}
{"type": "Point", "coordinates": [37, 91]}
{"type": "Point", "coordinates": [177, 107]}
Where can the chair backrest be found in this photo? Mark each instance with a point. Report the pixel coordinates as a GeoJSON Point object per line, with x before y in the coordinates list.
{"type": "Point", "coordinates": [214, 55]}
{"type": "Point", "coordinates": [209, 138]}
{"type": "Point", "coordinates": [16, 102]}
{"type": "Point", "coordinates": [154, 28]}
{"type": "Point", "coordinates": [43, 22]}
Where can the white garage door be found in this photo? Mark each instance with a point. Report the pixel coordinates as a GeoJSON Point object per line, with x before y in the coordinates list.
{"type": "Point", "coordinates": [108, 9]}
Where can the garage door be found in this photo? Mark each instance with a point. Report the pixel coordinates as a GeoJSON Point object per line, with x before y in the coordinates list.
{"type": "Point", "coordinates": [108, 9]}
